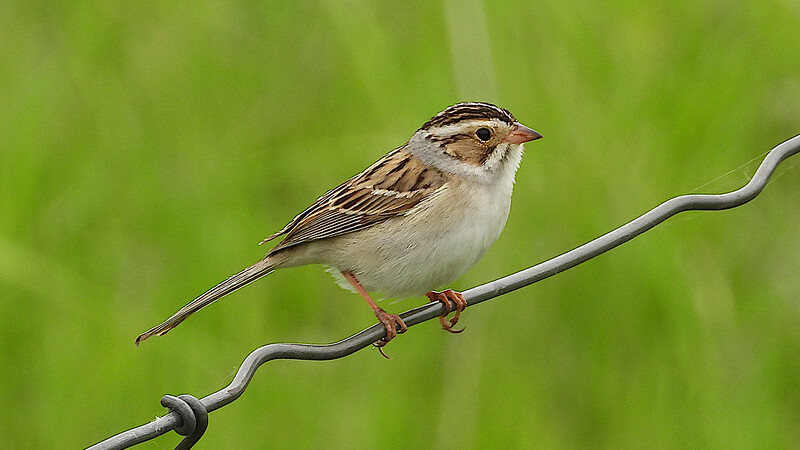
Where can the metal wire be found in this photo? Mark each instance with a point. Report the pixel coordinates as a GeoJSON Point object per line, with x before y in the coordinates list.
{"type": "Point", "coordinates": [173, 420]}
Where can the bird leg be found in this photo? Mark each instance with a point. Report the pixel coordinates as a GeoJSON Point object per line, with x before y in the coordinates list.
{"type": "Point", "coordinates": [445, 297]}
{"type": "Point", "coordinates": [389, 321]}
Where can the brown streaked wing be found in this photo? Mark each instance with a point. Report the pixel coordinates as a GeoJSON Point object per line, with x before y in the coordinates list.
{"type": "Point", "coordinates": [392, 186]}
{"type": "Point", "coordinates": [308, 211]}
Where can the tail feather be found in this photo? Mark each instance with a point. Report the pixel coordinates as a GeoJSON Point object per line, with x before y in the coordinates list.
{"type": "Point", "coordinates": [233, 283]}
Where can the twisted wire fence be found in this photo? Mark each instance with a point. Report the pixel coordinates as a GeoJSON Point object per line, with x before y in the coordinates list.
{"type": "Point", "coordinates": [189, 416]}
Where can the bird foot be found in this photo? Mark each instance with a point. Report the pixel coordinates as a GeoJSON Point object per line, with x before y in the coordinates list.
{"type": "Point", "coordinates": [445, 297]}
{"type": "Point", "coordinates": [390, 322]}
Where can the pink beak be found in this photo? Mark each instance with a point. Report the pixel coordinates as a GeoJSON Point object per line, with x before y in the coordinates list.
{"type": "Point", "coordinates": [522, 134]}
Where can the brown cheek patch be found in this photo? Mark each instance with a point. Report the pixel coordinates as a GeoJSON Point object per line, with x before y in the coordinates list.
{"type": "Point", "coordinates": [469, 151]}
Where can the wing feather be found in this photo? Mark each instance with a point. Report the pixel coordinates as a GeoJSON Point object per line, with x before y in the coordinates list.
{"type": "Point", "coordinates": [371, 197]}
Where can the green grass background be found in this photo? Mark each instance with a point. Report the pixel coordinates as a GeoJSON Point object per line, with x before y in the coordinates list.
{"type": "Point", "coordinates": [146, 147]}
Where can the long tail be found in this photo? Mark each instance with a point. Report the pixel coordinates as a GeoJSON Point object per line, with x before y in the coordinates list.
{"type": "Point", "coordinates": [233, 283]}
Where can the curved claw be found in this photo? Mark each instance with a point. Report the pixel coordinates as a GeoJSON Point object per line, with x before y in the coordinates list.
{"type": "Point", "coordinates": [445, 297]}
{"type": "Point", "coordinates": [390, 323]}
{"type": "Point", "coordinates": [440, 297]}
{"type": "Point", "coordinates": [447, 326]}
{"type": "Point", "coordinates": [379, 345]}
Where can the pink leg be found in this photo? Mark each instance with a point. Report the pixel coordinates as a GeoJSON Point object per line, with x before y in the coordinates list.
{"type": "Point", "coordinates": [389, 321]}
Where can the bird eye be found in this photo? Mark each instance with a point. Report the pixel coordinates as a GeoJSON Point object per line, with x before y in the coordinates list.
{"type": "Point", "coordinates": [484, 134]}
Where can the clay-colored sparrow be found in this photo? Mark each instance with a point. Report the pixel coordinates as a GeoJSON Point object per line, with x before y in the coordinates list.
{"type": "Point", "coordinates": [417, 219]}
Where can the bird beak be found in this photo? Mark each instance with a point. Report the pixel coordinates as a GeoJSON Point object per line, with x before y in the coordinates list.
{"type": "Point", "coordinates": [522, 134]}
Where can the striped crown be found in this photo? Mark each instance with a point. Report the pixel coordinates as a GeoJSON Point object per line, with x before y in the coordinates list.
{"type": "Point", "coordinates": [468, 111]}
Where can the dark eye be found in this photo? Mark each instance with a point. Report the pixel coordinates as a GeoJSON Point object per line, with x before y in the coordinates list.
{"type": "Point", "coordinates": [484, 134]}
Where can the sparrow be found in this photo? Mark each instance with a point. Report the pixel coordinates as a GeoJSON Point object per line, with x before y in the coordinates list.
{"type": "Point", "coordinates": [413, 221]}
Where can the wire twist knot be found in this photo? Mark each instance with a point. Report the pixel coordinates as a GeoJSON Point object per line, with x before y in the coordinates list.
{"type": "Point", "coordinates": [194, 418]}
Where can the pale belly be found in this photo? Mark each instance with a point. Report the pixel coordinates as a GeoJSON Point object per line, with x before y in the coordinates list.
{"type": "Point", "coordinates": [428, 250]}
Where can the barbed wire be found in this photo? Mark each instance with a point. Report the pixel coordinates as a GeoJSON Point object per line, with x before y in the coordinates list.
{"type": "Point", "coordinates": [189, 416]}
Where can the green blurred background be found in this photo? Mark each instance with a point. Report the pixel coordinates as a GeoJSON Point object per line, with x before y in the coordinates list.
{"type": "Point", "coordinates": [148, 146]}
